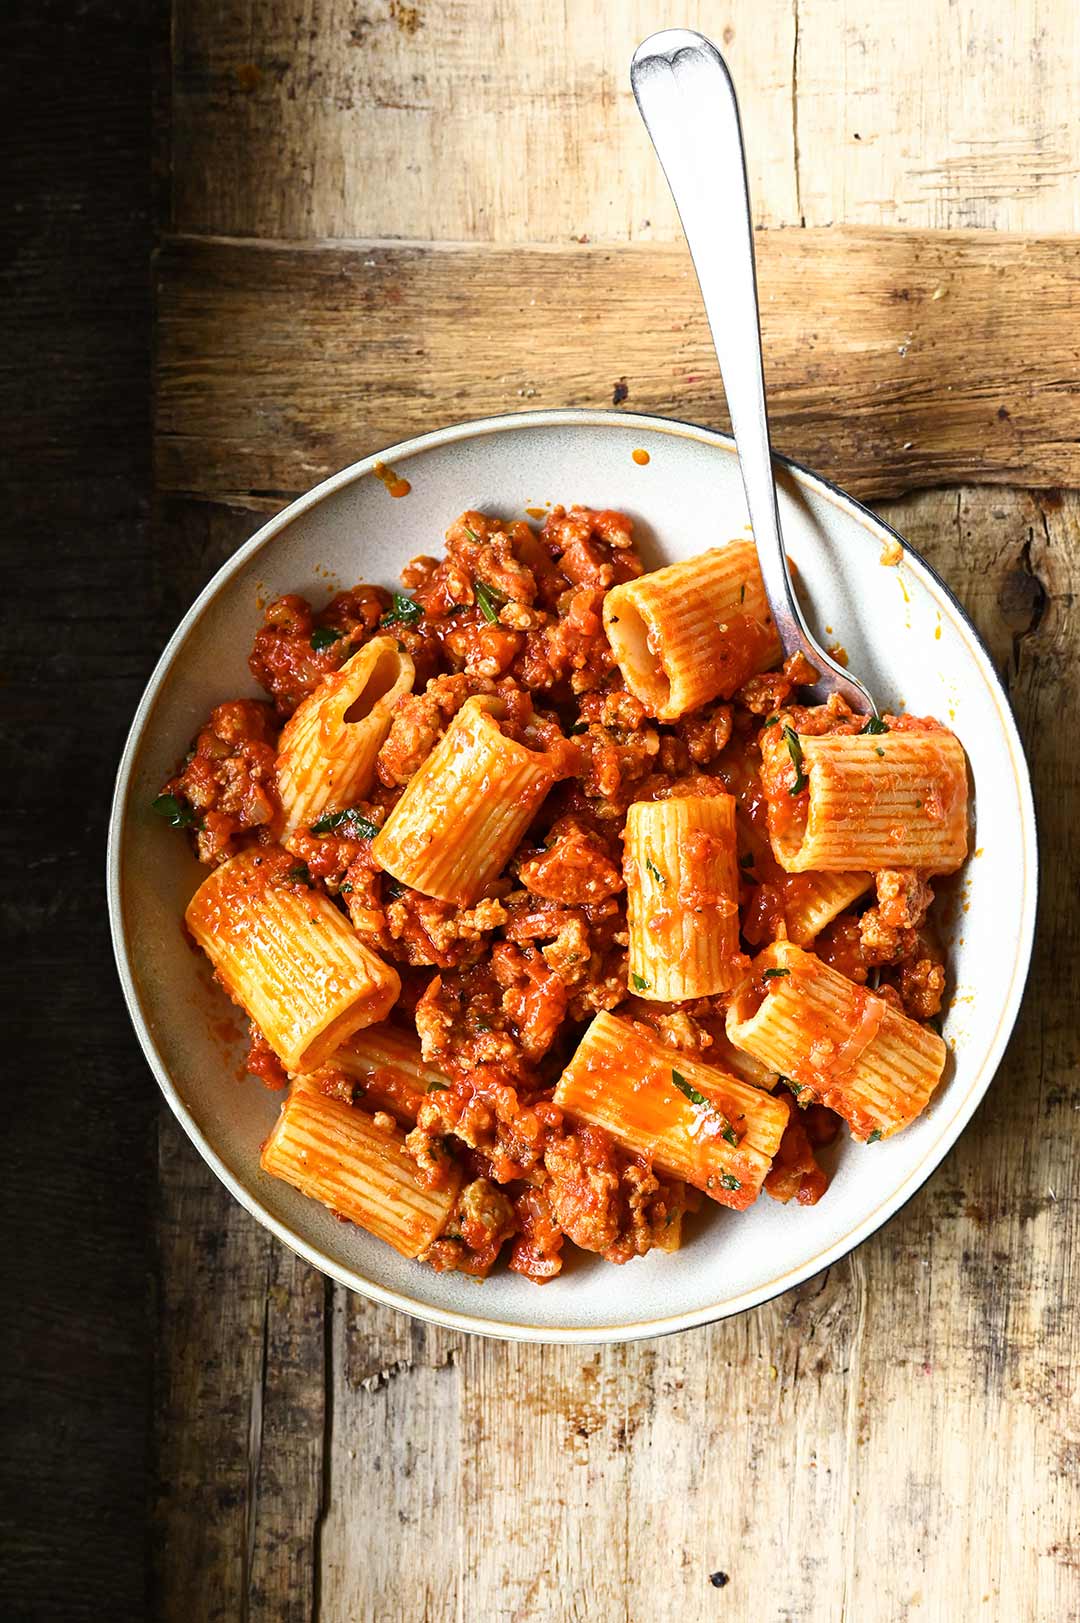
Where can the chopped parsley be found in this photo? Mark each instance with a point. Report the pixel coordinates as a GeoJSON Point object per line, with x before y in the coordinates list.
{"type": "Point", "coordinates": [579, 727]}
{"type": "Point", "coordinates": [639, 983]}
{"type": "Point", "coordinates": [489, 601]}
{"type": "Point", "coordinates": [403, 611]}
{"type": "Point", "coordinates": [350, 823]}
{"type": "Point", "coordinates": [655, 871]}
{"type": "Point", "coordinates": [796, 1087]}
{"type": "Point", "coordinates": [299, 875]}
{"type": "Point", "coordinates": [686, 1088]}
{"type": "Point", "coordinates": [770, 721]}
{"type": "Point", "coordinates": [791, 739]}
{"type": "Point", "coordinates": [873, 726]}
{"type": "Point", "coordinates": [774, 974]}
{"type": "Point", "coordinates": [731, 1135]}
{"type": "Point", "coordinates": [173, 810]}
{"type": "Point", "coordinates": [879, 751]}
{"type": "Point", "coordinates": [874, 1136]}
{"type": "Point", "coordinates": [437, 1087]}
{"type": "Point", "coordinates": [729, 1181]}
{"type": "Point", "coordinates": [324, 637]}
{"type": "Point", "coordinates": [346, 890]}
{"type": "Point", "coordinates": [472, 535]}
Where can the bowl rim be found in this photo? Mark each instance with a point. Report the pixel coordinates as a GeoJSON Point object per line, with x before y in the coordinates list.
{"type": "Point", "coordinates": [581, 417]}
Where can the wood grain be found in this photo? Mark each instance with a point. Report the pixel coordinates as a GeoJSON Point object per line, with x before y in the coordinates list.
{"type": "Point", "coordinates": [895, 359]}
{"type": "Point", "coordinates": [510, 121]}
{"type": "Point", "coordinates": [898, 1439]}
{"type": "Point", "coordinates": [843, 1450]}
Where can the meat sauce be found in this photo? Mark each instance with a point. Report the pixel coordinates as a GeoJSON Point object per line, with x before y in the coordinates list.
{"type": "Point", "coordinates": [500, 992]}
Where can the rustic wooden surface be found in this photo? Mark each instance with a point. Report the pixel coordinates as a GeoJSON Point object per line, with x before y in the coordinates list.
{"type": "Point", "coordinates": [896, 359]}
{"type": "Point", "coordinates": [900, 1437]}
{"type": "Point", "coordinates": [79, 634]}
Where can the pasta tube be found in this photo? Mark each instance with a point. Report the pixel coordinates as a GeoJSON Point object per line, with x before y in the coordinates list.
{"type": "Point", "coordinates": [326, 753]}
{"type": "Point", "coordinates": [682, 888]}
{"type": "Point", "coordinates": [835, 1041]}
{"type": "Point", "coordinates": [387, 1063]}
{"type": "Point", "coordinates": [463, 813]}
{"type": "Point", "coordinates": [868, 801]}
{"type": "Point", "coordinates": [694, 631]}
{"type": "Point", "coordinates": [692, 1121]}
{"type": "Point", "coordinates": [288, 956]}
{"type": "Point", "coordinates": [336, 1154]}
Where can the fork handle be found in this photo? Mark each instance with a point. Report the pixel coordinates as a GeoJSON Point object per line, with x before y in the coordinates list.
{"type": "Point", "coordinates": [686, 97]}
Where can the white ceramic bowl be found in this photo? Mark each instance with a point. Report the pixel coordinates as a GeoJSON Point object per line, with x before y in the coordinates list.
{"type": "Point", "coordinates": [905, 635]}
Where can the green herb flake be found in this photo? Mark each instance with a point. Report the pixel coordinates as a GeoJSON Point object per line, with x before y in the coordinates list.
{"type": "Point", "coordinates": [350, 824]}
{"type": "Point", "coordinates": [298, 875]}
{"type": "Point", "coordinates": [489, 601]}
{"type": "Point", "coordinates": [173, 810]}
{"type": "Point", "coordinates": [729, 1181]}
{"type": "Point", "coordinates": [770, 721]}
{"type": "Point", "coordinates": [731, 1135]}
{"type": "Point", "coordinates": [472, 535]}
{"type": "Point", "coordinates": [874, 1136]}
{"type": "Point", "coordinates": [346, 890]}
{"type": "Point", "coordinates": [579, 727]}
{"type": "Point", "coordinates": [437, 1087]}
{"type": "Point", "coordinates": [638, 982]}
{"type": "Point", "coordinates": [873, 726]}
{"type": "Point", "coordinates": [688, 1090]}
{"type": "Point", "coordinates": [655, 871]}
{"type": "Point", "coordinates": [879, 751]}
{"type": "Point", "coordinates": [775, 974]}
{"type": "Point", "coordinates": [791, 739]}
{"type": "Point", "coordinates": [324, 637]}
{"type": "Point", "coordinates": [403, 611]}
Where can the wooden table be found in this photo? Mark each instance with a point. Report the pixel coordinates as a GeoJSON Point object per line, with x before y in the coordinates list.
{"type": "Point", "coordinates": [388, 216]}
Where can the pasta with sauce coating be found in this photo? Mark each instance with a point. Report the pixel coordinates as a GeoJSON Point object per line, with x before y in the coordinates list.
{"type": "Point", "coordinates": [337, 1154]}
{"type": "Point", "coordinates": [288, 956]}
{"type": "Point", "coordinates": [693, 631]}
{"type": "Point", "coordinates": [464, 811]}
{"type": "Point", "coordinates": [326, 754]}
{"type": "Point", "coordinates": [838, 1043]}
{"type": "Point", "coordinates": [868, 801]}
{"type": "Point", "coordinates": [690, 1120]}
{"type": "Point", "coordinates": [682, 890]}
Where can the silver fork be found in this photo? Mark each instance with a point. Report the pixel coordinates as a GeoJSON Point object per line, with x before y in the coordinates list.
{"type": "Point", "coordinates": [687, 99]}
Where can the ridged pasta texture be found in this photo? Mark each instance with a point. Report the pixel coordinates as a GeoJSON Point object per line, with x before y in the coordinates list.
{"type": "Point", "coordinates": [288, 956]}
{"type": "Point", "coordinates": [336, 1154]}
{"type": "Point", "coordinates": [813, 900]}
{"type": "Point", "coordinates": [837, 1042]}
{"type": "Point", "coordinates": [388, 1064]}
{"type": "Point", "coordinates": [464, 812]}
{"type": "Point", "coordinates": [691, 1121]}
{"type": "Point", "coordinates": [682, 891]}
{"type": "Point", "coordinates": [887, 800]}
{"type": "Point", "coordinates": [326, 754]}
{"type": "Point", "coordinates": [693, 631]}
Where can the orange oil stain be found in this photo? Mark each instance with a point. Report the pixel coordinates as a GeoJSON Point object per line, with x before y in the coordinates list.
{"type": "Point", "coordinates": [536, 512]}
{"type": "Point", "coordinates": [640, 457]}
{"type": "Point", "coordinates": [387, 477]}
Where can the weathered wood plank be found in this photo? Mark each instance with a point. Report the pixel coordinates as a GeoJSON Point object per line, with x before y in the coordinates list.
{"type": "Point", "coordinates": [894, 359]}
{"type": "Point", "coordinates": [494, 120]}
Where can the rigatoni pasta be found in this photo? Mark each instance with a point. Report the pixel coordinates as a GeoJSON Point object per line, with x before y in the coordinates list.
{"type": "Point", "coordinates": [288, 956]}
{"type": "Point", "coordinates": [838, 1043]}
{"type": "Point", "coordinates": [524, 915]}
{"type": "Point", "coordinates": [682, 892]}
{"type": "Point", "coordinates": [691, 1120]}
{"type": "Point", "coordinates": [339, 1155]}
{"type": "Point", "coordinates": [326, 759]}
{"type": "Point", "coordinates": [693, 631]}
{"type": "Point", "coordinates": [463, 813]}
{"type": "Point", "coordinates": [387, 1063]}
{"type": "Point", "coordinates": [869, 801]}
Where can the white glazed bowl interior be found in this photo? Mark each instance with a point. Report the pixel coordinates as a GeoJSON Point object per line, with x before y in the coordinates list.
{"type": "Point", "coordinates": [904, 634]}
